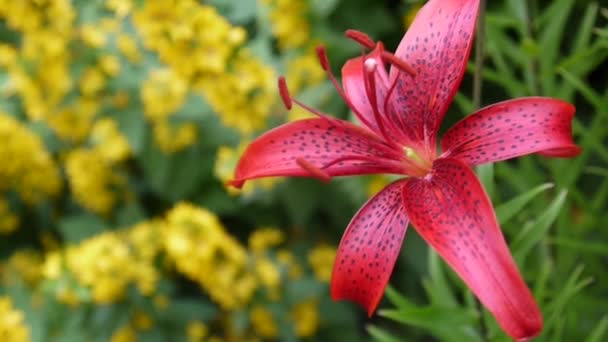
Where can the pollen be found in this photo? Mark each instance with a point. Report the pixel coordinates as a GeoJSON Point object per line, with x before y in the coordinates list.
{"type": "Point", "coordinates": [370, 65]}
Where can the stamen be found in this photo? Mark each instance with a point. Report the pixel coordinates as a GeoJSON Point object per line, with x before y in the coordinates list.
{"type": "Point", "coordinates": [398, 63]}
{"type": "Point", "coordinates": [363, 39]}
{"type": "Point", "coordinates": [370, 65]}
{"type": "Point", "coordinates": [313, 170]}
{"type": "Point", "coordinates": [284, 92]}
{"type": "Point", "coordinates": [312, 110]}
{"type": "Point", "coordinates": [321, 53]}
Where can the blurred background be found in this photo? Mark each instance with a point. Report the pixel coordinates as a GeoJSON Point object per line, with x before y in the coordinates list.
{"type": "Point", "coordinates": [121, 121]}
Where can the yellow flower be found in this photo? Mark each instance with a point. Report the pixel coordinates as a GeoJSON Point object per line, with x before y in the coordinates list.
{"type": "Point", "coordinates": [92, 180]}
{"type": "Point", "coordinates": [31, 171]}
{"type": "Point", "coordinates": [261, 239]}
{"type": "Point", "coordinates": [376, 184]}
{"type": "Point", "coordinates": [306, 318]}
{"type": "Point", "coordinates": [110, 65]}
{"type": "Point", "coordinates": [8, 220]}
{"type": "Point", "coordinates": [128, 47]}
{"type": "Point", "coordinates": [12, 325]}
{"type": "Point", "coordinates": [321, 259]}
{"type": "Point", "coordinates": [268, 273]}
{"type": "Point", "coordinates": [73, 122]}
{"type": "Point", "coordinates": [197, 244]}
{"type": "Point", "coordinates": [25, 265]}
{"type": "Point", "coordinates": [263, 323]}
{"type": "Point", "coordinates": [163, 93]}
{"type": "Point", "coordinates": [125, 333]}
{"type": "Point", "coordinates": [92, 81]}
{"type": "Point", "coordinates": [109, 142]}
{"type": "Point", "coordinates": [242, 98]}
{"type": "Point", "coordinates": [196, 331]}
{"type": "Point", "coordinates": [93, 36]}
{"type": "Point", "coordinates": [174, 137]}
{"type": "Point", "coordinates": [288, 22]}
{"type": "Point", "coordinates": [122, 8]}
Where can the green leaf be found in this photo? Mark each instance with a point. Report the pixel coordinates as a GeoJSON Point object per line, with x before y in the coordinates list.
{"type": "Point", "coordinates": [437, 286]}
{"type": "Point", "coordinates": [507, 210]}
{"type": "Point", "coordinates": [79, 227]}
{"type": "Point", "coordinates": [535, 232]}
{"type": "Point", "coordinates": [185, 310]}
{"type": "Point", "coordinates": [555, 309]}
{"type": "Point", "coordinates": [598, 333]}
{"type": "Point", "coordinates": [448, 324]}
{"type": "Point", "coordinates": [381, 335]}
{"type": "Point", "coordinates": [323, 8]}
{"type": "Point", "coordinates": [486, 176]}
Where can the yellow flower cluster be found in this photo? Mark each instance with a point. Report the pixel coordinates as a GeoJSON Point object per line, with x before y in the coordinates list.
{"type": "Point", "coordinates": [105, 265]}
{"type": "Point", "coordinates": [243, 96]}
{"type": "Point", "coordinates": [12, 325]}
{"type": "Point", "coordinates": [46, 28]}
{"type": "Point", "coordinates": [203, 52]}
{"type": "Point", "coordinates": [23, 266]}
{"type": "Point", "coordinates": [200, 248]}
{"type": "Point", "coordinates": [305, 316]}
{"type": "Point", "coordinates": [321, 258]}
{"type": "Point", "coordinates": [27, 167]}
{"type": "Point", "coordinates": [191, 38]}
{"type": "Point", "coordinates": [289, 22]}
{"type": "Point", "coordinates": [140, 321]}
{"type": "Point", "coordinates": [163, 93]}
{"type": "Point", "coordinates": [92, 170]}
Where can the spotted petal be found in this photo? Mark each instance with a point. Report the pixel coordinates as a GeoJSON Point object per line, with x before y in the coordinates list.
{"type": "Point", "coordinates": [369, 248]}
{"type": "Point", "coordinates": [452, 212]}
{"type": "Point", "coordinates": [437, 45]}
{"type": "Point", "coordinates": [513, 128]}
{"type": "Point", "coordinates": [330, 146]}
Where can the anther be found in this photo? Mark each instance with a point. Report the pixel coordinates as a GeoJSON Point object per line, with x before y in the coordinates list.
{"type": "Point", "coordinates": [361, 38]}
{"type": "Point", "coordinates": [284, 92]}
{"type": "Point", "coordinates": [370, 65]}
{"type": "Point", "coordinates": [322, 54]}
{"type": "Point", "coordinates": [313, 170]}
{"type": "Point", "coordinates": [398, 63]}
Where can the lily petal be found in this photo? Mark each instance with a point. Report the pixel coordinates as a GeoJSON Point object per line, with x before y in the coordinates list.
{"type": "Point", "coordinates": [369, 248]}
{"type": "Point", "coordinates": [437, 45]}
{"type": "Point", "coordinates": [329, 146]}
{"type": "Point", "coordinates": [451, 211]}
{"type": "Point", "coordinates": [513, 128]}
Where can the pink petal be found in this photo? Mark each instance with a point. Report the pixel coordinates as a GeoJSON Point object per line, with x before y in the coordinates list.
{"type": "Point", "coordinates": [334, 147]}
{"type": "Point", "coordinates": [437, 45]}
{"type": "Point", "coordinates": [369, 248]}
{"type": "Point", "coordinates": [513, 128]}
{"type": "Point", "coordinates": [451, 211]}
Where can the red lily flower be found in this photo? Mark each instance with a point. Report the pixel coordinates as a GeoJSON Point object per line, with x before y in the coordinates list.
{"type": "Point", "coordinates": [401, 110]}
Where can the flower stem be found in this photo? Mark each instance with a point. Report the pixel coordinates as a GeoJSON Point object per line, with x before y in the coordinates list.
{"type": "Point", "coordinates": [477, 83]}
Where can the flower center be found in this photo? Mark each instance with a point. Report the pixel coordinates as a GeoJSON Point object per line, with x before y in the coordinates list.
{"type": "Point", "coordinates": [418, 165]}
